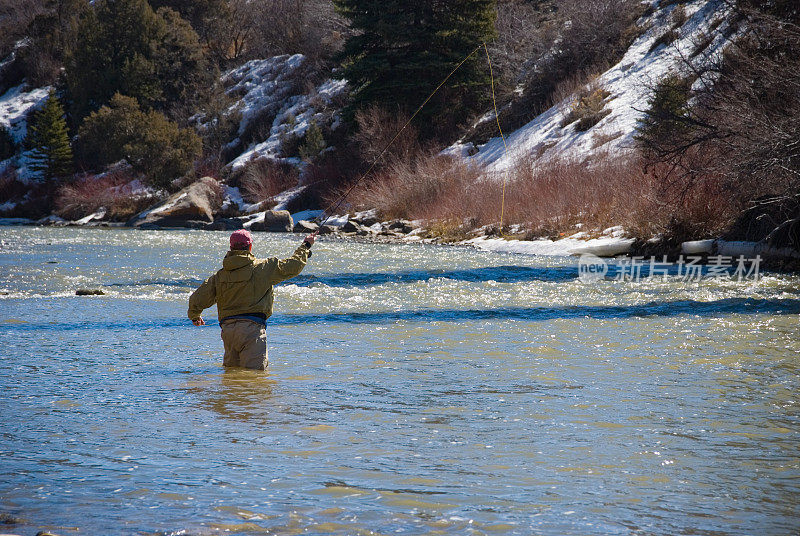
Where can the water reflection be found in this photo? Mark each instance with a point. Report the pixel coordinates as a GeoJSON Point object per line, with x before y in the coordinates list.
{"type": "Point", "coordinates": [236, 393]}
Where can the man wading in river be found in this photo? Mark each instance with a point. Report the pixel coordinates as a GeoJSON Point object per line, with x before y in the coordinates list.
{"type": "Point", "coordinates": [242, 291]}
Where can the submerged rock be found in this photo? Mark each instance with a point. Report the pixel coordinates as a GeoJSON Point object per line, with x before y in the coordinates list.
{"type": "Point", "coordinates": [8, 519]}
{"type": "Point", "coordinates": [350, 227]}
{"type": "Point", "coordinates": [89, 292]}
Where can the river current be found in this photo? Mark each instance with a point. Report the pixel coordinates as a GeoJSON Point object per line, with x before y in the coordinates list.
{"type": "Point", "coordinates": [411, 390]}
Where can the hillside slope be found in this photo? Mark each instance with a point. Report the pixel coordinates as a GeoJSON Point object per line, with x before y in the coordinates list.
{"type": "Point", "coordinates": [702, 35]}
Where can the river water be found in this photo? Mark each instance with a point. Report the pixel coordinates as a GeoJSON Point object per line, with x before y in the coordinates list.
{"type": "Point", "coordinates": [411, 390]}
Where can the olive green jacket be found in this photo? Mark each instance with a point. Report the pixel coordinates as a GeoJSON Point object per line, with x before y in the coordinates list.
{"type": "Point", "coordinates": [244, 284]}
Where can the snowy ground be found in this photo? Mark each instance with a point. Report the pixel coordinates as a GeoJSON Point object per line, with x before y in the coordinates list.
{"type": "Point", "coordinates": [607, 246]}
{"type": "Point", "coordinates": [629, 82]}
{"type": "Point", "coordinates": [15, 105]}
{"type": "Point", "coordinates": [270, 85]}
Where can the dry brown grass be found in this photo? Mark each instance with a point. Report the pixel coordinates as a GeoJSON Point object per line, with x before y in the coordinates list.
{"type": "Point", "coordinates": [262, 179]}
{"type": "Point", "coordinates": [415, 188]}
{"type": "Point", "coordinates": [545, 199]}
{"type": "Point", "coordinates": [377, 128]}
{"type": "Point", "coordinates": [588, 108]}
{"type": "Point", "coordinates": [88, 194]}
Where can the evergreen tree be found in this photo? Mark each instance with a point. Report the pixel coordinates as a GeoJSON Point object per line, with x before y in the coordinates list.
{"type": "Point", "coordinates": [48, 140]}
{"type": "Point", "coordinates": [123, 46]}
{"type": "Point", "coordinates": [182, 67]}
{"type": "Point", "coordinates": [51, 33]}
{"type": "Point", "coordinates": [401, 50]}
{"type": "Point", "coordinates": [203, 15]}
{"type": "Point", "coordinates": [313, 142]}
{"type": "Point", "coordinates": [7, 146]}
{"type": "Point", "coordinates": [152, 145]}
{"type": "Point", "coordinates": [668, 116]}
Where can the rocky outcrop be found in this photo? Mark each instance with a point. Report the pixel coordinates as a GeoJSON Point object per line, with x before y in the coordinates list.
{"type": "Point", "coordinates": [274, 221]}
{"type": "Point", "coordinates": [195, 203]}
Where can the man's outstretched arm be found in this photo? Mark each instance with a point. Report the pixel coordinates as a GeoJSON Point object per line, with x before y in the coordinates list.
{"type": "Point", "coordinates": [202, 298]}
{"type": "Point", "coordinates": [288, 268]}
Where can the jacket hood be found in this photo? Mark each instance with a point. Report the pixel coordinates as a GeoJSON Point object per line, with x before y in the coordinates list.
{"type": "Point", "coordinates": [236, 259]}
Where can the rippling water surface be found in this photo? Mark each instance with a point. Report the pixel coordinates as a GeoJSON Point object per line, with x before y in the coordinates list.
{"type": "Point", "coordinates": [411, 390]}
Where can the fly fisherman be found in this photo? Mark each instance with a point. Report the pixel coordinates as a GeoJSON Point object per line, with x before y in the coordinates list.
{"type": "Point", "coordinates": [242, 290]}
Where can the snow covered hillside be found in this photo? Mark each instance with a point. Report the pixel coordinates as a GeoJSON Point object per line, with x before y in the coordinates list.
{"type": "Point", "coordinates": [274, 88]}
{"type": "Point", "coordinates": [700, 31]}
{"type": "Point", "coordinates": [15, 105]}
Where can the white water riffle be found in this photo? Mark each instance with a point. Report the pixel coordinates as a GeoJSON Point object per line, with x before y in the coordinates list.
{"type": "Point", "coordinates": [412, 389]}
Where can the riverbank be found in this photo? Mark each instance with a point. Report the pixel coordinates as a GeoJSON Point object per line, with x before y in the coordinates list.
{"type": "Point", "coordinates": [366, 227]}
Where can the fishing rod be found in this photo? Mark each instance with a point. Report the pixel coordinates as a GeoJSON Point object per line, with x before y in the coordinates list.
{"type": "Point", "coordinates": [335, 204]}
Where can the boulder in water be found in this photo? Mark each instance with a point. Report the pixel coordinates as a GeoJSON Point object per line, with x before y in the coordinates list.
{"type": "Point", "coordinates": [401, 226]}
{"type": "Point", "coordinates": [89, 292]}
{"type": "Point", "coordinates": [350, 227]}
{"type": "Point", "coordinates": [225, 224]}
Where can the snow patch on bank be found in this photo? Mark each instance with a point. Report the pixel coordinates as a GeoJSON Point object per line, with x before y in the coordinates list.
{"type": "Point", "coordinates": [15, 106]}
{"type": "Point", "coordinates": [232, 197]}
{"type": "Point", "coordinates": [602, 247]}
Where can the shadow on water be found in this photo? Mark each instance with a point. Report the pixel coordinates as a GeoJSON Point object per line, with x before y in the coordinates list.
{"type": "Point", "coordinates": [500, 274]}
{"type": "Point", "coordinates": [709, 309]}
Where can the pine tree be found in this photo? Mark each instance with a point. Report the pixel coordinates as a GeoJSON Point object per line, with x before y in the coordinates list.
{"type": "Point", "coordinates": [7, 146]}
{"type": "Point", "coordinates": [48, 140]}
{"type": "Point", "coordinates": [667, 117]}
{"type": "Point", "coordinates": [123, 46]}
{"type": "Point", "coordinates": [401, 50]}
{"type": "Point", "coordinates": [313, 142]}
{"type": "Point", "coordinates": [152, 145]}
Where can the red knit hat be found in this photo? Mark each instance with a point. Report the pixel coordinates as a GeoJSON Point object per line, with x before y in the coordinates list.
{"type": "Point", "coordinates": [241, 239]}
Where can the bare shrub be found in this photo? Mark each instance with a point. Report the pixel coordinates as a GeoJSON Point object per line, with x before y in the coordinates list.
{"type": "Point", "coordinates": [10, 185]}
{"type": "Point", "coordinates": [576, 83]}
{"type": "Point", "coordinates": [546, 199]}
{"type": "Point", "coordinates": [415, 188]}
{"type": "Point", "coordinates": [666, 39]}
{"type": "Point", "coordinates": [264, 178]}
{"type": "Point", "coordinates": [115, 191]}
{"type": "Point", "coordinates": [579, 38]}
{"type": "Point", "coordinates": [15, 16]}
{"type": "Point", "coordinates": [248, 30]}
{"type": "Point", "coordinates": [740, 121]}
{"type": "Point", "coordinates": [377, 127]}
{"type": "Point", "coordinates": [588, 109]}
{"type": "Point", "coordinates": [525, 30]}
{"type": "Point", "coordinates": [210, 166]}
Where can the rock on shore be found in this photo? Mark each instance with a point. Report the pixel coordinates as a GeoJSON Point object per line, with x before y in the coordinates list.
{"type": "Point", "coordinates": [195, 203]}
